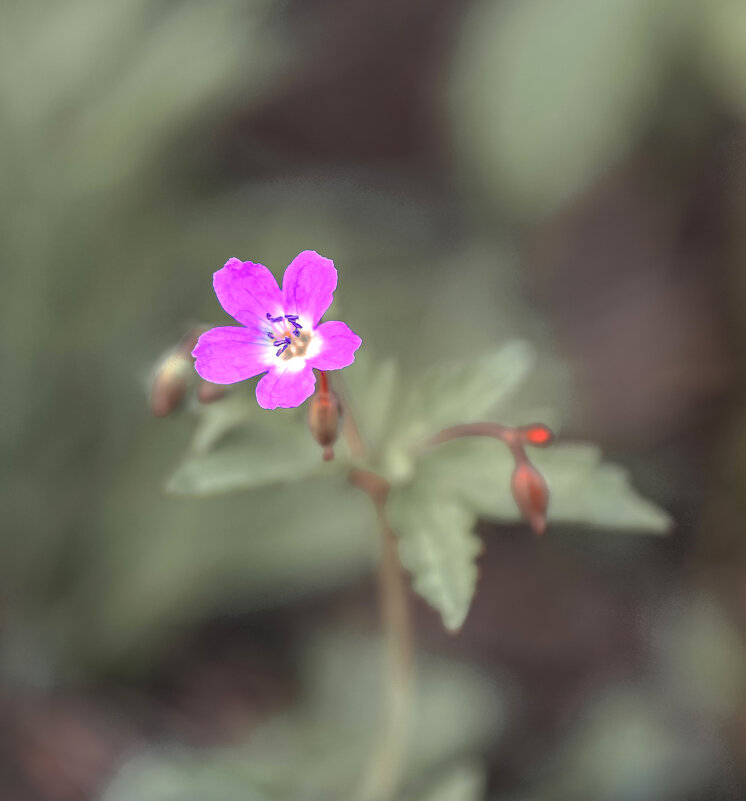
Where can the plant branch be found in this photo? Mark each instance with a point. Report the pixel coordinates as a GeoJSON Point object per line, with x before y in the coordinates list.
{"type": "Point", "coordinates": [383, 772]}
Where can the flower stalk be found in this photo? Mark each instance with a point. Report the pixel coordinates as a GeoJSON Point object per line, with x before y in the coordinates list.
{"type": "Point", "coordinates": [529, 488]}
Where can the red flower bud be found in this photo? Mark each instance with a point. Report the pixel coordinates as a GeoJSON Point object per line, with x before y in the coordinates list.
{"type": "Point", "coordinates": [324, 417]}
{"type": "Point", "coordinates": [531, 493]}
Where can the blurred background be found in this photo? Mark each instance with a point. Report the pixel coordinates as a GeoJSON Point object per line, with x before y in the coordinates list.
{"type": "Point", "coordinates": [572, 173]}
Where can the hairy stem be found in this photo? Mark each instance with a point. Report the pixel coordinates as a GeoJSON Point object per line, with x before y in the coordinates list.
{"type": "Point", "coordinates": [383, 772]}
{"type": "Point", "coordinates": [384, 769]}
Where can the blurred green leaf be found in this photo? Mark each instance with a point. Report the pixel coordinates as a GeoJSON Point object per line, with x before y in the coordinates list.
{"type": "Point", "coordinates": [373, 388]}
{"type": "Point", "coordinates": [585, 489]}
{"type": "Point", "coordinates": [181, 559]}
{"type": "Point", "coordinates": [437, 547]}
{"type": "Point", "coordinates": [629, 745]}
{"type": "Point", "coordinates": [547, 95]}
{"type": "Point", "coordinates": [444, 396]}
{"type": "Point", "coordinates": [107, 88]}
{"type": "Point", "coordinates": [319, 750]}
{"type": "Point", "coordinates": [702, 657]}
{"type": "Point", "coordinates": [237, 448]}
{"type": "Point", "coordinates": [721, 35]}
{"type": "Point", "coordinates": [464, 781]}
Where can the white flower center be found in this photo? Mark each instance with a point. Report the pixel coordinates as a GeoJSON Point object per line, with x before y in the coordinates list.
{"type": "Point", "coordinates": [286, 334]}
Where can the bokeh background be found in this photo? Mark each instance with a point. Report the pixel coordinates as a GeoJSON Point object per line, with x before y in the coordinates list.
{"type": "Point", "coordinates": [568, 172]}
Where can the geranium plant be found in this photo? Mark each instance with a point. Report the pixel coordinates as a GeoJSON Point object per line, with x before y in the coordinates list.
{"type": "Point", "coordinates": [426, 449]}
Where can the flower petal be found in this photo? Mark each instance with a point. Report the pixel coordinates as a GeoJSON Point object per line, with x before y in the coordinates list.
{"type": "Point", "coordinates": [337, 346]}
{"type": "Point", "coordinates": [285, 387]}
{"type": "Point", "coordinates": [247, 291]}
{"type": "Point", "coordinates": [308, 286]}
{"type": "Point", "coordinates": [231, 353]}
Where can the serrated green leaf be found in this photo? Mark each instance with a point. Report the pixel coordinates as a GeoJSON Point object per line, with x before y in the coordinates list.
{"type": "Point", "coordinates": [373, 387]}
{"type": "Point", "coordinates": [235, 449]}
{"type": "Point", "coordinates": [584, 489]}
{"type": "Point", "coordinates": [456, 393]}
{"type": "Point", "coordinates": [438, 548]}
{"type": "Point", "coordinates": [454, 483]}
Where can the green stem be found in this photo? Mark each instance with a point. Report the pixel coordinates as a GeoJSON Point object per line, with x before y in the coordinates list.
{"type": "Point", "coordinates": [383, 772]}
{"type": "Point", "coordinates": [384, 769]}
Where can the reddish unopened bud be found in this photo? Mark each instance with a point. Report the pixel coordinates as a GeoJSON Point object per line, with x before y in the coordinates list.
{"type": "Point", "coordinates": [170, 383]}
{"type": "Point", "coordinates": [531, 493]}
{"type": "Point", "coordinates": [207, 392]}
{"type": "Point", "coordinates": [537, 434]}
{"type": "Point", "coordinates": [324, 418]}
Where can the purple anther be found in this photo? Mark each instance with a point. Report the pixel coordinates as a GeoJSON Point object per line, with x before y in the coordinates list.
{"type": "Point", "coordinates": [283, 348]}
{"type": "Point", "coordinates": [274, 319]}
{"type": "Point", "coordinates": [293, 320]}
{"type": "Point", "coordinates": [270, 335]}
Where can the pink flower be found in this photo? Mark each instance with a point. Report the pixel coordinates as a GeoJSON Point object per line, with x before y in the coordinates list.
{"type": "Point", "coordinates": [280, 333]}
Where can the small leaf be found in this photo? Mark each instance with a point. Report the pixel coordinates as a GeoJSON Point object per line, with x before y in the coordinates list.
{"type": "Point", "coordinates": [452, 394]}
{"type": "Point", "coordinates": [373, 386]}
{"type": "Point", "coordinates": [237, 448]}
{"type": "Point", "coordinates": [457, 482]}
{"type": "Point", "coordinates": [438, 548]}
{"type": "Point", "coordinates": [217, 419]}
{"type": "Point", "coordinates": [583, 488]}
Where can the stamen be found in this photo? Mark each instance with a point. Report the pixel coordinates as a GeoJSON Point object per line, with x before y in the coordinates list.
{"type": "Point", "coordinates": [293, 320]}
{"type": "Point", "coordinates": [283, 348]}
{"type": "Point", "coordinates": [274, 319]}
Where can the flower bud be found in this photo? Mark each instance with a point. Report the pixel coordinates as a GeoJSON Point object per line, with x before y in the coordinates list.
{"type": "Point", "coordinates": [531, 493]}
{"type": "Point", "coordinates": [207, 392]}
{"type": "Point", "coordinates": [170, 383]}
{"type": "Point", "coordinates": [324, 418]}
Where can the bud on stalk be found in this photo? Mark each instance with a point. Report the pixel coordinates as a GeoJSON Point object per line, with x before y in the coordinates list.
{"type": "Point", "coordinates": [324, 417]}
{"type": "Point", "coordinates": [207, 392]}
{"type": "Point", "coordinates": [170, 384]}
{"type": "Point", "coordinates": [531, 493]}
{"type": "Point", "coordinates": [174, 375]}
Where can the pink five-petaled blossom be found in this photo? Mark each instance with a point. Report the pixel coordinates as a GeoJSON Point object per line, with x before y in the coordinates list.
{"type": "Point", "coordinates": [280, 333]}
